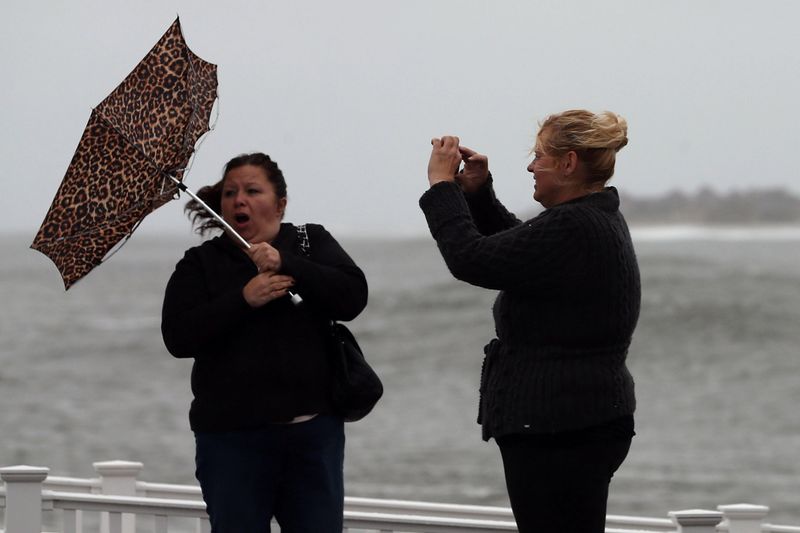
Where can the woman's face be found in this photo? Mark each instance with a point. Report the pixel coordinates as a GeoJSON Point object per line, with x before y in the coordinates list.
{"type": "Point", "coordinates": [250, 205]}
{"type": "Point", "coordinates": [547, 178]}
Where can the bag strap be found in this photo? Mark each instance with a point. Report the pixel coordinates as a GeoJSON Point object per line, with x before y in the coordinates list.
{"type": "Point", "coordinates": [305, 249]}
{"type": "Point", "coordinates": [305, 244]}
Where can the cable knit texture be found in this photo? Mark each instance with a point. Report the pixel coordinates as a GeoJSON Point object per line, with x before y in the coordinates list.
{"type": "Point", "coordinates": [566, 311]}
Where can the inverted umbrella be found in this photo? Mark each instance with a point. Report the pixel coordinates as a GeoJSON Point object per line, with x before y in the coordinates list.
{"type": "Point", "coordinates": [131, 158]}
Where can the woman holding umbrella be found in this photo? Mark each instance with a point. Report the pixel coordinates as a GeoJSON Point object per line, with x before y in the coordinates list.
{"type": "Point", "coordinates": [268, 442]}
{"type": "Point", "coordinates": [556, 394]}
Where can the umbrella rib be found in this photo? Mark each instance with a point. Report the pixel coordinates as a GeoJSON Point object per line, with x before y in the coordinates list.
{"type": "Point", "coordinates": [118, 246]}
{"type": "Point", "coordinates": [125, 137]}
{"type": "Point", "coordinates": [198, 144]}
{"type": "Point", "coordinates": [196, 110]}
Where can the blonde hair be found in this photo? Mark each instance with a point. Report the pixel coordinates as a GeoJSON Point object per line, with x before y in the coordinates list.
{"type": "Point", "coordinates": [595, 138]}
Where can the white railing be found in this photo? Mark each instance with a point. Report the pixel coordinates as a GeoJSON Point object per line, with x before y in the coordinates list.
{"type": "Point", "coordinates": [118, 502]}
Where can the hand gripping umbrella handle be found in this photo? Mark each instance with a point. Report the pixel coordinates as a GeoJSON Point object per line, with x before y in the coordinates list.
{"type": "Point", "coordinates": [296, 299]}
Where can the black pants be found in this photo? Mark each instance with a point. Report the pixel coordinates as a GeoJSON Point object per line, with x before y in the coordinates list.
{"type": "Point", "coordinates": [560, 485]}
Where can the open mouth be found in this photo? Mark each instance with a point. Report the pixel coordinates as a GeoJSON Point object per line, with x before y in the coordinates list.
{"type": "Point", "coordinates": [241, 218]}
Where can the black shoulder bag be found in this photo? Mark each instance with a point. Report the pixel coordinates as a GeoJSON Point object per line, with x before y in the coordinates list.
{"type": "Point", "coordinates": [356, 386]}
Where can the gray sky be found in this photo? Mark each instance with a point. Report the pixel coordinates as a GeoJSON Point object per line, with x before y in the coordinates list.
{"type": "Point", "coordinates": [346, 94]}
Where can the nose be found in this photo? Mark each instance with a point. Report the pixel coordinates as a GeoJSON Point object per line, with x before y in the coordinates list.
{"type": "Point", "coordinates": [530, 167]}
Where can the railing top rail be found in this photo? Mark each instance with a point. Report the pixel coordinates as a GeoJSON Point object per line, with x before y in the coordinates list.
{"type": "Point", "coordinates": [373, 505]}
{"type": "Point", "coordinates": [774, 528]}
{"type": "Point", "coordinates": [428, 524]}
{"type": "Point", "coordinates": [356, 500]}
{"type": "Point", "coordinates": [640, 521]}
{"type": "Point", "coordinates": [76, 481]}
{"type": "Point", "coordinates": [71, 484]}
{"type": "Point", "coordinates": [626, 530]}
{"type": "Point", "coordinates": [147, 486]}
{"type": "Point", "coordinates": [122, 504]}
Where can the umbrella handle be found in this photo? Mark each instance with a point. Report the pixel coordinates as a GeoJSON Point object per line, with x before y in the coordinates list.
{"type": "Point", "coordinates": [296, 299]}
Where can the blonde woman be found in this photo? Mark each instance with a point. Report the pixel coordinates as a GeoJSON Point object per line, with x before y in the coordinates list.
{"type": "Point", "coordinates": [556, 394]}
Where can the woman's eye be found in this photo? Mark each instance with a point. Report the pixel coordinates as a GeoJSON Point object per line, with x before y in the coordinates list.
{"type": "Point", "coordinates": [227, 194]}
{"type": "Point", "coordinates": [253, 191]}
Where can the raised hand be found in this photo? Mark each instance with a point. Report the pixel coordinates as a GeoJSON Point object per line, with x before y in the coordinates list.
{"type": "Point", "coordinates": [444, 161]}
{"type": "Point", "coordinates": [476, 170]}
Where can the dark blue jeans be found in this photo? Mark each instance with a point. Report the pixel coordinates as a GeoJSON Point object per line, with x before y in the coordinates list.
{"type": "Point", "coordinates": [292, 472]}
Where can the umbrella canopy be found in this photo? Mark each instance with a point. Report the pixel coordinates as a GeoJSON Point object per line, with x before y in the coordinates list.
{"type": "Point", "coordinates": [137, 140]}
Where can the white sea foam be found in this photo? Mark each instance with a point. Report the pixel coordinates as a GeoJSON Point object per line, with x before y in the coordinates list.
{"type": "Point", "coordinates": [689, 232]}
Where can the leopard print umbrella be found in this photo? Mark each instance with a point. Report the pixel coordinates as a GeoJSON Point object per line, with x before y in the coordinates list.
{"type": "Point", "coordinates": [143, 132]}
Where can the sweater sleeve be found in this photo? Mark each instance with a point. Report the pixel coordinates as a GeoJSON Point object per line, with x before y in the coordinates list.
{"type": "Point", "coordinates": [489, 214]}
{"type": "Point", "coordinates": [524, 257]}
{"type": "Point", "coordinates": [327, 278]}
{"type": "Point", "coordinates": [191, 321]}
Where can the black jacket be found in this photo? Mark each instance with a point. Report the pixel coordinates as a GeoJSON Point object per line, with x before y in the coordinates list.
{"type": "Point", "coordinates": [258, 366]}
{"type": "Point", "coordinates": [567, 308]}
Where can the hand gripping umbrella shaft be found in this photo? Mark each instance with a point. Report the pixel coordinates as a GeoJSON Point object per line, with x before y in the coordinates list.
{"type": "Point", "coordinates": [295, 298]}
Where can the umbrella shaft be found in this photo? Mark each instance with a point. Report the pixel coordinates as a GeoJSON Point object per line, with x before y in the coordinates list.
{"type": "Point", "coordinates": [210, 211]}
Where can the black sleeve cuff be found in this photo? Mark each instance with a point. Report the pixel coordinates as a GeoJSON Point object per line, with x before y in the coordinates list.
{"type": "Point", "coordinates": [443, 202]}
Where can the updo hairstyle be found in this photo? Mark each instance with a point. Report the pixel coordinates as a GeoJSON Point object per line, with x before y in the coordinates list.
{"type": "Point", "coordinates": [595, 138]}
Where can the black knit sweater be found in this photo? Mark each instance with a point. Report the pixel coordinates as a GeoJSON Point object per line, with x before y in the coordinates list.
{"type": "Point", "coordinates": [255, 366]}
{"type": "Point", "coordinates": [567, 308]}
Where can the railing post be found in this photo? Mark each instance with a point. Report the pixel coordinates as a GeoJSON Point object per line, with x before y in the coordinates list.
{"type": "Point", "coordinates": [696, 520]}
{"type": "Point", "coordinates": [118, 478]}
{"type": "Point", "coordinates": [23, 498]}
{"type": "Point", "coordinates": [744, 517]}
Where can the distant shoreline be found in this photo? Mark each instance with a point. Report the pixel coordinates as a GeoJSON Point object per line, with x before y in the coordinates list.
{"type": "Point", "coordinates": [774, 207]}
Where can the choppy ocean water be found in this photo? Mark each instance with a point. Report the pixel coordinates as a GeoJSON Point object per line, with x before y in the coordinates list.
{"type": "Point", "coordinates": [84, 375]}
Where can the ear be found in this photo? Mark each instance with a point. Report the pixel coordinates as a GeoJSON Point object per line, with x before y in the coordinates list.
{"type": "Point", "coordinates": [570, 162]}
{"type": "Point", "coordinates": [282, 206]}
